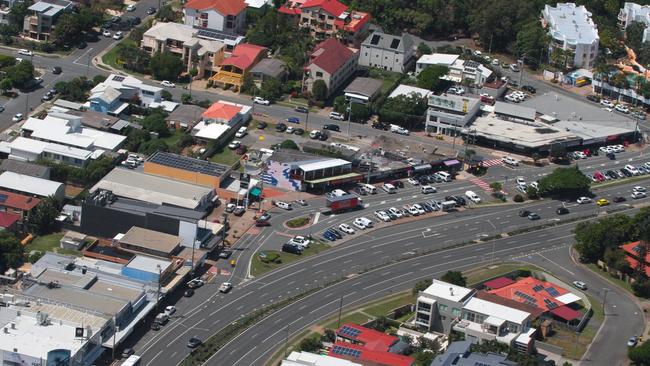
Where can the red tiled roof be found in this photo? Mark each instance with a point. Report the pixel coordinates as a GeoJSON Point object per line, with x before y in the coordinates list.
{"type": "Point", "coordinates": [291, 11]}
{"type": "Point", "coordinates": [566, 313]}
{"type": "Point", "coordinates": [357, 21]}
{"type": "Point", "coordinates": [370, 338]}
{"type": "Point", "coordinates": [224, 7]}
{"type": "Point", "coordinates": [331, 6]}
{"type": "Point", "coordinates": [631, 249]}
{"type": "Point", "coordinates": [371, 357]}
{"type": "Point", "coordinates": [330, 55]}
{"type": "Point", "coordinates": [527, 286]}
{"type": "Point", "coordinates": [220, 110]}
{"type": "Point", "coordinates": [244, 55]}
{"type": "Point", "coordinates": [634, 263]}
{"type": "Point", "coordinates": [8, 219]}
{"type": "Point", "coordinates": [17, 201]}
{"type": "Point", "coordinates": [498, 283]}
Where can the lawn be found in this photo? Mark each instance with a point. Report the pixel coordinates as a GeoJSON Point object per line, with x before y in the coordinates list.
{"type": "Point", "coordinates": [173, 139]}
{"type": "Point", "coordinates": [110, 57]}
{"type": "Point", "coordinates": [226, 157]}
{"type": "Point", "coordinates": [484, 273]}
{"type": "Point", "coordinates": [574, 345]}
{"type": "Point", "coordinates": [258, 267]}
{"type": "Point", "coordinates": [594, 268]}
{"type": "Point", "coordinates": [373, 310]}
{"type": "Point", "coordinates": [45, 243]}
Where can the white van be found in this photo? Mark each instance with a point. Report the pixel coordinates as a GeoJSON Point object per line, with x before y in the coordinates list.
{"type": "Point", "coordinates": [473, 196]}
{"type": "Point", "coordinates": [448, 205]}
{"type": "Point", "coordinates": [389, 188]}
{"type": "Point", "coordinates": [427, 189]}
{"type": "Point", "coordinates": [338, 193]}
{"type": "Point", "coordinates": [369, 188]}
{"type": "Point", "coordinates": [284, 205]}
{"type": "Point", "coordinates": [444, 176]}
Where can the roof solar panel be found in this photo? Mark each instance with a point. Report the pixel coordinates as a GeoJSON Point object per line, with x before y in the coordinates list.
{"type": "Point", "coordinates": [375, 39]}
{"type": "Point", "coordinates": [213, 34]}
{"type": "Point", "coordinates": [118, 78]}
{"type": "Point", "coordinates": [538, 288]}
{"type": "Point", "coordinates": [395, 43]}
{"type": "Point", "coordinates": [187, 163]}
{"type": "Point", "coordinates": [345, 351]}
{"type": "Point", "coordinates": [352, 332]}
{"type": "Point", "coordinates": [552, 291]}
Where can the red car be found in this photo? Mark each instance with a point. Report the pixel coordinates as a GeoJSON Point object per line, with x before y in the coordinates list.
{"type": "Point", "coordinates": [587, 152]}
{"type": "Point", "coordinates": [599, 176]}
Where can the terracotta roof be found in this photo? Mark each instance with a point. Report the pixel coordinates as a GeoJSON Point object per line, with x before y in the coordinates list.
{"type": "Point", "coordinates": [331, 6]}
{"type": "Point", "coordinates": [498, 283]}
{"type": "Point", "coordinates": [8, 219]}
{"type": "Point", "coordinates": [357, 21]}
{"type": "Point", "coordinates": [224, 111]}
{"type": "Point", "coordinates": [370, 338]}
{"type": "Point", "coordinates": [223, 7]}
{"type": "Point", "coordinates": [17, 201]}
{"type": "Point", "coordinates": [244, 55]}
{"type": "Point", "coordinates": [368, 357]}
{"type": "Point", "coordinates": [330, 55]}
{"type": "Point", "coordinates": [533, 292]}
{"type": "Point", "coordinates": [290, 11]}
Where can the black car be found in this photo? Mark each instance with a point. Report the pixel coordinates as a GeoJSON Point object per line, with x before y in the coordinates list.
{"type": "Point", "coordinates": [524, 213]}
{"type": "Point", "coordinates": [626, 172]}
{"type": "Point", "coordinates": [151, 10]}
{"type": "Point", "coordinates": [188, 293]}
{"type": "Point", "coordinates": [134, 21]}
{"type": "Point", "coordinates": [259, 223]}
{"type": "Point", "coordinates": [155, 326]}
{"type": "Point", "coordinates": [331, 127]}
{"type": "Point", "coordinates": [280, 127]}
{"type": "Point", "coordinates": [292, 248]}
{"type": "Point", "coordinates": [427, 207]}
{"type": "Point", "coordinates": [529, 88]}
{"type": "Point", "coordinates": [452, 198]}
{"type": "Point", "coordinates": [323, 136]}
{"type": "Point", "coordinates": [301, 109]}
{"type": "Point", "coordinates": [194, 342]}
{"type": "Point", "coordinates": [611, 174]}
{"type": "Point", "coordinates": [562, 211]}
{"type": "Point", "coordinates": [593, 98]}
{"type": "Point", "coordinates": [298, 131]}
{"type": "Point", "coordinates": [56, 70]}
{"type": "Point", "coordinates": [261, 125]}
{"type": "Point", "coordinates": [82, 45]}
{"type": "Point", "coordinates": [335, 233]}
{"type": "Point", "coordinates": [460, 200]}
{"type": "Point", "coordinates": [380, 126]}
{"type": "Point", "coordinates": [391, 215]}
{"type": "Point", "coordinates": [618, 199]}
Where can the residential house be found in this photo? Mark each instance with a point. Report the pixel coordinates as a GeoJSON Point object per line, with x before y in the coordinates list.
{"type": "Point", "coordinates": [352, 27]}
{"type": "Point", "coordinates": [363, 90]}
{"type": "Point", "coordinates": [221, 121]}
{"type": "Point", "coordinates": [25, 150]}
{"type": "Point", "coordinates": [182, 40]}
{"type": "Point", "coordinates": [233, 68]}
{"type": "Point", "coordinates": [9, 222]}
{"type": "Point", "coordinates": [460, 71]}
{"type": "Point", "coordinates": [5, 9]}
{"type": "Point", "coordinates": [40, 22]}
{"type": "Point", "coordinates": [632, 254]}
{"type": "Point", "coordinates": [632, 12]}
{"type": "Point", "coordinates": [113, 95]}
{"type": "Point", "coordinates": [269, 68]}
{"type": "Point", "coordinates": [440, 305]}
{"type": "Point", "coordinates": [328, 18]}
{"type": "Point", "coordinates": [17, 204]}
{"type": "Point", "coordinates": [364, 345]}
{"type": "Point", "coordinates": [572, 29]}
{"type": "Point", "coordinates": [331, 62]}
{"type": "Point", "coordinates": [387, 52]}
{"type": "Point", "coordinates": [31, 186]}
{"type": "Point", "coordinates": [20, 167]}
{"type": "Point", "coordinates": [459, 354]}
{"type": "Point", "coordinates": [227, 16]}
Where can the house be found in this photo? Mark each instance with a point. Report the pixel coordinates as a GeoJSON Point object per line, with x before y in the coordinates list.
{"type": "Point", "coordinates": [31, 186]}
{"type": "Point", "coordinates": [233, 68]}
{"type": "Point", "coordinates": [113, 95]}
{"type": "Point", "coordinates": [96, 120]}
{"type": "Point", "coordinates": [25, 150]}
{"type": "Point", "coordinates": [387, 52]}
{"type": "Point", "coordinates": [326, 18]}
{"type": "Point", "coordinates": [459, 354]}
{"type": "Point", "coordinates": [632, 12]}
{"type": "Point", "coordinates": [185, 117]}
{"type": "Point", "coordinates": [17, 204]}
{"type": "Point", "coordinates": [311, 359]}
{"type": "Point", "coordinates": [269, 68]}
{"type": "Point", "coordinates": [460, 70]}
{"type": "Point", "coordinates": [227, 16]}
{"type": "Point", "coordinates": [571, 29]}
{"type": "Point", "coordinates": [9, 221]}
{"type": "Point", "coordinates": [368, 346]}
{"type": "Point", "coordinates": [43, 14]}
{"type": "Point", "coordinates": [331, 62]}
{"type": "Point", "coordinates": [183, 41]}
{"type": "Point", "coordinates": [20, 167]}
{"type": "Point", "coordinates": [632, 251]}
{"type": "Point", "coordinates": [448, 114]}
{"type": "Point", "coordinates": [440, 304]}
{"type": "Point", "coordinates": [352, 27]}
{"type": "Point", "coordinates": [363, 90]}
{"type": "Point", "coordinates": [221, 120]}
{"type": "Point", "coordinates": [5, 9]}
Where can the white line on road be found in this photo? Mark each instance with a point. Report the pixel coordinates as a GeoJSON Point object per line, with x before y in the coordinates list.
{"type": "Point", "coordinates": [552, 261]}
{"type": "Point", "coordinates": [316, 217]}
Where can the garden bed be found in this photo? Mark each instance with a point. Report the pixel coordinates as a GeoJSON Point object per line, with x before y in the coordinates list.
{"type": "Point", "coordinates": [298, 222]}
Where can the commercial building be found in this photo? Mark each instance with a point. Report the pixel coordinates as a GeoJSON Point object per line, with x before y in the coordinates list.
{"type": "Point", "coordinates": [183, 41]}
{"type": "Point", "coordinates": [440, 304]}
{"type": "Point", "coordinates": [448, 114]}
{"type": "Point", "coordinates": [220, 122]}
{"type": "Point", "coordinates": [150, 242]}
{"type": "Point", "coordinates": [459, 70]}
{"type": "Point", "coordinates": [43, 15]}
{"type": "Point", "coordinates": [20, 167]}
{"type": "Point", "coordinates": [632, 12]}
{"type": "Point", "coordinates": [331, 62]}
{"type": "Point", "coordinates": [368, 346]}
{"type": "Point", "coordinates": [232, 69]}
{"type": "Point", "coordinates": [363, 90]}
{"type": "Point", "coordinates": [459, 354]}
{"type": "Point", "coordinates": [156, 190]}
{"type": "Point", "coordinates": [269, 68]}
{"type": "Point", "coordinates": [31, 186]}
{"type": "Point", "coordinates": [387, 52]}
{"type": "Point", "coordinates": [312, 359]}
{"type": "Point", "coordinates": [17, 204]}
{"type": "Point", "coordinates": [23, 150]}
{"type": "Point", "coordinates": [187, 169]}
{"type": "Point", "coordinates": [572, 29]}
{"type": "Point", "coordinates": [595, 133]}
{"type": "Point", "coordinates": [113, 95]}
{"type": "Point", "coordinates": [228, 16]}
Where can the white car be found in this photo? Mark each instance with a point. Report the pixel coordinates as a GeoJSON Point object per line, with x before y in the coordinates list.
{"type": "Point", "coordinates": [418, 207]}
{"type": "Point", "coordinates": [17, 118]}
{"type": "Point", "coordinates": [606, 103]}
{"type": "Point", "coordinates": [605, 149]}
{"type": "Point", "coordinates": [647, 165]}
{"type": "Point", "coordinates": [496, 62]}
{"type": "Point", "coordinates": [346, 229]}
{"type": "Point", "coordinates": [395, 212]}
{"type": "Point", "coordinates": [521, 181]}
{"type": "Point", "coordinates": [511, 98]}
{"type": "Point", "coordinates": [25, 52]}
{"type": "Point", "coordinates": [300, 240]}
{"type": "Point", "coordinates": [534, 185]}
{"type": "Point", "coordinates": [241, 132]}
{"type": "Point", "coordinates": [234, 144]}
{"type": "Point", "coordinates": [618, 148]}
{"type": "Point", "coordinates": [359, 224]}
{"type": "Point", "coordinates": [106, 33]}
{"type": "Point", "coordinates": [130, 8]}
{"type": "Point", "coordinates": [639, 189]}
{"type": "Point", "coordinates": [230, 207]}
{"type": "Point", "coordinates": [117, 36]}
{"type": "Point", "coordinates": [583, 200]}
{"type": "Point", "coordinates": [225, 287]}
{"type": "Point", "coordinates": [637, 195]}
{"type": "Point", "coordinates": [428, 189]}
{"type": "Point", "coordinates": [413, 181]}
{"type": "Point", "coordinates": [258, 100]}
{"type": "Point", "coordinates": [412, 210]}
{"type": "Point", "coordinates": [510, 161]}
{"type": "Point", "coordinates": [167, 84]}
{"type": "Point", "coordinates": [477, 53]}
{"type": "Point", "coordinates": [381, 215]}
{"type": "Point", "coordinates": [581, 155]}
{"type": "Point", "coordinates": [473, 196]}
{"type": "Point", "coordinates": [169, 310]}
{"type": "Point", "coordinates": [290, 129]}
{"type": "Point", "coordinates": [621, 108]}
{"type": "Point", "coordinates": [632, 169]}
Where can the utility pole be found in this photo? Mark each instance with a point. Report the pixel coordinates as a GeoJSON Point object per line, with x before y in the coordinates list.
{"type": "Point", "coordinates": [490, 49]}
{"type": "Point", "coordinates": [340, 310]}
{"type": "Point", "coordinates": [223, 230]}
{"type": "Point", "coordinates": [349, 118]}
{"type": "Point", "coordinates": [88, 64]}
{"type": "Point", "coordinates": [158, 290]}
{"type": "Point", "coordinates": [26, 105]}
{"type": "Point", "coordinates": [521, 69]}
{"type": "Point", "coordinates": [307, 118]}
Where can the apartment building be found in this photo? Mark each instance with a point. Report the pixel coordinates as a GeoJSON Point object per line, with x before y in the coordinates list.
{"type": "Point", "coordinates": [387, 52]}
{"type": "Point", "coordinates": [459, 70]}
{"type": "Point", "coordinates": [326, 18]}
{"type": "Point", "coordinates": [572, 29]}
{"type": "Point", "coordinates": [5, 8]}
{"type": "Point", "coordinates": [331, 62]}
{"type": "Point", "coordinates": [40, 22]}
{"type": "Point", "coordinates": [227, 16]}
{"type": "Point", "coordinates": [440, 305]}
{"type": "Point", "coordinates": [632, 12]}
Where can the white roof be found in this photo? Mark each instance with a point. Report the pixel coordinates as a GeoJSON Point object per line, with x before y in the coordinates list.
{"type": "Point", "coordinates": [148, 264]}
{"type": "Point", "coordinates": [176, 31]}
{"type": "Point", "coordinates": [68, 151]}
{"type": "Point", "coordinates": [496, 310]}
{"type": "Point", "coordinates": [71, 132]}
{"type": "Point", "coordinates": [568, 298]}
{"type": "Point", "coordinates": [324, 164]}
{"type": "Point", "coordinates": [438, 59]}
{"type": "Point", "coordinates": [444, 290]}
{"type": "Point", "coordinates": [403, 89]}
{"type": "Point", "coordinates": [312, 359]}
{"type": "Point", "coordinates": [257, 3]}
{"type": "Point", "coordinates": [571, 23]}
{"type": "Point", "coordinates": [211, 131]}
{"type": "Point", "coordinates": [25, 144]}
{"type": "Point", "coordinates": [33, 185]}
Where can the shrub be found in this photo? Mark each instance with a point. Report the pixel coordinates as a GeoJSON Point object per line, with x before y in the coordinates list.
{"type": "Point", "coordinates": [518, 198]}
{"type": "Point", "coordinates": [298, 222]}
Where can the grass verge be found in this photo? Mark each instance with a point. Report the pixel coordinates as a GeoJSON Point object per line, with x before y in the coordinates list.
{"type": "Point", "coordinates": [622, 284]}
{"type": "Point", "coordinates": [174, 138]}
{"type": "Point", "coordinates": [258, 267]}
{"type": "Point", "coordinates": [574, 344]}
{"type": "Point", "coordinates": [481, 274]}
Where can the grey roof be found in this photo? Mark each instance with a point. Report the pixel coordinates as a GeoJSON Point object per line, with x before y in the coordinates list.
{"type": "Point", "coordinates": [270, 67]}
{"type": "Point", "coordinates": [388, 41]}
{"type": "Point", "coordinates": [150, 239]}
{"type": "Point", "coordinates": [188, 164]}
{"type": "Point", "coordinates": [110, 95]}
{"type": "Point", "coordinates": [513, 110]}
{"type": "Point", "coordinates": [25, 168]}
{"type": "Point", "coordinates": [458, 354]}
{"type": "Point", "coordinates": [143, 208]}
{"type": "Point", "coordinates": [364, 86]}
{"type": "Point", "coordinates": [186, 113]}
{"type": "Point", "coordinates": [94, 119]}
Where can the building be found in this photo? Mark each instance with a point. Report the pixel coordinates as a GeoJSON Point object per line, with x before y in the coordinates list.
{"type": "Point", "coordinates": [363, 90]}
{"type": "Point", "coordinates": [459, 354]}
{"type": "Point", "coordinates": [459, 70]}
{"type": "Point", "coordinates": [220, 122]}
{"type": "Point", "coordinates": [24, 150]}
{"type": "Point", "coordinates": [312, 359]}
{"type": "Point", "coordinates": [440, 305]}
{"type": "Point", "coordinates": [632, 251]}
{"type": "Point", "coordinates": [113, 95]}
{"type": "Point", "coordinates": [448, 114]}
{"type": "Point", "coordinates": [17, 204]}
{"type": "Point", "coordinates": [387, 52]}
{"type": "Point", "coordinates": [326, 18]}
{"type": "Point", "coordinates": [187, 169]}
{"type": "Point", "coordinates": [241, 61]}
{"type": "Point", "coordinates": [5, 9]}
{"type": "Point", "coordinates": [185, 117]}
{"type": "Point", "coordinates": [9, 221]}
{"type": "Point", "coordinates": [99, 121]}
{"type": "Point", "coordinates": [183, 41]}
{"type": "Point", "coordinates": [572, 29]}
{"type": "Point", "coordinates": [31, 186]}
{"type": "Point", "coordinates": [43, 14]}
{"type": "Point", "coordinates": [150, 242]}
{"type": "Point", "coordinates": [368, 346]}
{"type": "Point", "coordinates": [269, 68]}
{"type": "Point", "coordinates": [227, 16]}
{"type": "Point", "coordinates": [632, 12]}
{"type": "Point", "coordinates": [331, 62]}
{"type": "Point", "coordinates": [20, 167]}
{"type": "Point", "coordinates": [149, 188]}
{"type": "Point", "coordinates": [408, 90]}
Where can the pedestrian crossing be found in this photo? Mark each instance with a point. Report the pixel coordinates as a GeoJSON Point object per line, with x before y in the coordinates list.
{"type": "Point", "coordinates": [481, 183]}
{"type": "Point", "coordinates": [492, 162]}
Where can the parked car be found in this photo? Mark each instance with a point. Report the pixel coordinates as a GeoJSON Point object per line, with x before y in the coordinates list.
{"type": "Point", "coordinates": [117, 36]}
{"type": "Point", "coordinates": [593, 98]}
{"type": "Point", "coordinates": [337, 116]}
{"type": "Point", "coordinates": [331, 127]}
{"type": "Point", "coordinates": [170, 310]}
{"type": "Point", "coordinates": [637, 195]}
{"type": "Point", "coordinates": [293, 120]}
{"type": "Point", "coordinates": [194, 342]}
{"type": "Point", "coordinates": [131, 7]}
{"type": "Point", "coordinates": [167, 84]}
{"type": "Point", "coordinates": [239, 211]}
{"type": "Point", "coordinates": [346, 229]}
{"type": "Point", "coordinates": [258, 100]}
{"type": "Point", "coordinates": [234, 144]}
{"type": "Point", "coordinates": [562, 211]}
{"type": "Point", "coordinates": [632, 341]}
{"type": "Point", "coordinates": [261, 125]}
{"type": "Point", "coordinates": [17, 117]}
{"type": "Point", "coordinates": [151, 10]}
{"type": "Point", "coordinates": [292, 248]}
{"type": "Point", "coordinates": [243, 131]}
{"type": "Point", "coordinates": [606, 103]}
{"type": "Point", "coordinates": [188, 293]}
{"type": "Point", "coordinates": [622, 108]}
{"type": "Point", "coordinates": [529, 88]}
{"type": "Point", "coordinates": [473, 196]}
{"type": "Point", "coordinates": [301, 109]}
{"type": "Point", "coordinates": [583, 200]}
{"type": "Point", "coordinates": [56, 70]}
{"type": "Point", "coordinates": [639, 189]}
{"type": "Point", "coordinates": [280, 127]}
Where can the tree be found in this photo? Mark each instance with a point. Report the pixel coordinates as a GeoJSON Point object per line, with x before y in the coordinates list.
{"type": "Point", "coordinates": [469, 154]}
{"type": "Point", "coordinates": [97, 79]}
{"type": "Point", "coordinates": [185, 141]}
{"type": "Point", "coordinates": [289, 144]}
{"type": "Point", "coordinates": [11, 251]}
{"type": "Point", "coordinates": [634, 35]}
{"type": "Point", "coordinates": [132, 57]}
{"type": "Point", "coordinates": [41, 220]}
{"type": "Point", "coordinates": [151, 146]}
{"type": "Point", "coordinates": [155, 122]}
{"type": "Point", "coordinates": [496, 186]}
{"type": "Point", "coordinates": [423, 49]}
{"type": "Point", "coordinates": [594, 237]}
{"type": "Point", "coordinates": [21, 73]}
{"type": "Point", "coordinates": [6, 61]}
{"type": "Point", "coordinates": [167, 14]}
{"type": "Point", "coordinates": [532, 192]}
{"type": "Point", "coordinates": [340, 104]}
{"type": "Point", "coordinates": [248, 84]}
{"type": "Point", "coordinates": [5, 85]}
{"type": "Point", "coordinates": [165, 66]}
{"type": "Point", "coordinates": [405, 110]}
{"type": "Point", "coordinates": [319, 90]}
{"type": "Point", "coordinates": [166, 95]}
{"type": "Point", "coordinates": [360, 112]}
{"type": "Point", "coordinates": [616, 258]}
{"type": "Point", "coordinates": [186, 98]}
{"type": "Point", "coordinates": [535, 156]}
{"type": "Point", "coordinates": [531, 41]}
{"type": "Point", "coordinates": [329, 335]}
{"type": "Point", "coordinates": [567, 182]}
{"type": "Point", "coordinates": [311, 344]}
{"type": "Point", "coordinates": [455, 278]}
{"type": "Point", "coordinates": [271, 89]}
{"type": "Point", "coordinates": [423, 358]}
{"type": "Point", "coordinates": [640, 355]}
{"type": "Point", "coordinates": [421, 286]}
{"type": "Point", "coordinates": [429, 78]}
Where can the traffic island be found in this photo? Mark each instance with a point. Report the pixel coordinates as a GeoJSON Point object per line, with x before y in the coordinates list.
{"type": "Point", "coordinates": [298, 223]}
{"type": "Point", "coordinates": [269, 260]}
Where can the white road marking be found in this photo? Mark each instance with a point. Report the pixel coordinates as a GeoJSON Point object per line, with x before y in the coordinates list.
{"type": "Point", "coordinates": [316, 217]}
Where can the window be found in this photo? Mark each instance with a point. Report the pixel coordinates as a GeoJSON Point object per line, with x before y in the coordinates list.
{"type": "Point", "coordinates": [470, 316]}
{"type": "Point", "coordinates": [424, 306]}
{"type": "Point", "coordinates": [443, 308]}
{"type": "Point", "coordinates": [424, 318]}
{"type": "Point", "coordinates": [366, 53]}
{"type": "Point", "coordinates": [455, 311]}
{"type": "Point", "coordinates": [319, 74]}
{"type": "Point", "coordinates": [204, 15]}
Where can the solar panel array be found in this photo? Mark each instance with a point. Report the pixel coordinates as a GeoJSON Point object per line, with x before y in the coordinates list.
{"type": "Point", "coordinates": [550, 304]}
{"type": "Point", "coordinates": [395, 43]}
{"type": "Point", "coordinates": [345, 351]}
{"type": "Point", "coordinates": [187, 163]}
{"type": "Point", "coordinates": [118, 78]}
{"type": "Point", "coordinates": [637, 249]}
{"type": "Point", "coordinates": [213, 34]}
{"type": "Point", "coordinates": [375, 39]}
{"type": "Point", "coordinates": [538, 288]}
{"type": "Point", "coordinates": [472, 64]}
{"type": "Point", "coordinates": [349, 331]}
{"type": "Point", "coordinates": [527, 298]}
{"type": "Point", "coordinates": [552, 291]}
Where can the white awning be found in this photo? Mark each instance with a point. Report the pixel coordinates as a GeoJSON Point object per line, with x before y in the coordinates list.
{"type": "Point", "coordinates": [568, 298]}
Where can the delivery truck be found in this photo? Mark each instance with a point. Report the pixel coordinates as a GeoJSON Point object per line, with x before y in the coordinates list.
{"type": "Point", "coordinates": [342, 203]}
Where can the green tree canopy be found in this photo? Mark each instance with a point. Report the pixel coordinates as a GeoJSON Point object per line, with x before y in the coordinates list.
{"type": "Point", "coordinates": [319, 90]}
{"type": "Point", "coordinates": [155, 122]}
{"type": "Point", "coordinates": [429, 78]}
{"type": "Point", "coordinates": [566, 182]}
{"type": "Point", "coordinates": [11, 251]}
{"type": "Point", "coordinates": [594, 237]}
{"type": "Point", "coordinates": [165, 66]}
{"type": "Point", "coordinates": [271, 89]}
{"type": "Point", "coordinates": [405, 110]}
{"type": "Point", "coordinates": [21, 73]}
{"type": "Point", "coordinates": [532, 41]}
{"type": "Point", "coordinates": [421, 286]}
{"type": "Point", "coordinates": [634, 35]}
{"type": "Point", "coordinates": [310, 344]}
{"type": "Point", "coordinates": [151, 146]}
{"type": "Point", "coordinates": [455, 278]}
{"type": "Point", "coordinates": [41, 220]}
{"type": "Point", "coordinates": [424, 49]}
{"type": "Point", "coordinates": [289, 144]}
{"type": "Point", "coordinates": [640, 355]}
